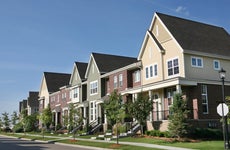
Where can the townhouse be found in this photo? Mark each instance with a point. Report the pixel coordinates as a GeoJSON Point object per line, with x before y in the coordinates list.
{"type": "Point", "coordinates": [32, 102]}
{"type": "Point", "coordinates": [180, 55]}
{"type": "Point", "coordinates": [51, 83]}
{"type": "Point", "coordinates": [177, 56]}
{"type": "Point", "coordinates": [78, 89]}
{"type": "Point", "coordinates": [30, 105]}
{"type": "Point", "coordinates": [100, 64]}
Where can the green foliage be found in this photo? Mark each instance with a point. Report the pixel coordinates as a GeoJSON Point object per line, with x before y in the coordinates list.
{"type": "Point", "coordinates": [5, 119]}
{"type": "Point", "coordinates": [14, 118]}
{"type": "Point", "coordinates": [206, 133]}
{"type": "Point", "coordinates": [114, 108]}
{"type": "Point", "coordinates": [178, 126]}
{"type": "Point", "coordinates": [158, 133]}
{"type": "Point", "coordinates": [141, 108]}
{"type": "Point", "coordinates": [31, 123]}
{"type": "Point", "coordinates": [1, 123]}
{"type": "Point", "coordinates": [46, 116]}
{"type": "Point", "coordinates": [18, 127]}
{"type": "Point", "coordinates": [75, 117]}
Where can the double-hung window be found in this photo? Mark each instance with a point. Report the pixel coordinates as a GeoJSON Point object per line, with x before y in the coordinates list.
{"type": "Point", "coordinates": [120, 80]}
{"type": "Point", "coordinates": [93, 87]}
{"type": "Point", "coordinates": [115, 82]}
{"type": "Point", "coordinates": [75, 92]}
{"type": "Point", "coordinates": [137, 76]}
{"type": "Point", "coordinates": [173, 67]}
{"type": "Point", "coordinates": [197, 62]}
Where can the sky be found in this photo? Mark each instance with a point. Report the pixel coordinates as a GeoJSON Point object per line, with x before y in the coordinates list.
{"type": "Point", "coordinates": [50, 35]}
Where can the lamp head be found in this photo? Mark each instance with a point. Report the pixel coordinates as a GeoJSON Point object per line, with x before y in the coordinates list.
{"type": "Point", "coordinates": [222, 73]}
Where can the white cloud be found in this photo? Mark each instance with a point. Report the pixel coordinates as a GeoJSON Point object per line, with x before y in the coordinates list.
{"type": "Point", "coordinates": [183, 10]}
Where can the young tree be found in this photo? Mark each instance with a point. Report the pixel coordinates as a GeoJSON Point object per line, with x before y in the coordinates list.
{"type": "Point", "coordinates": [1, 124]}
{"type": "Point", "coordinates": [178, 118]}
{"type": "Point", "coordinates": [14, 118]}
{"type": "Point", "coordinates": [140, 109]}
{"type": "Point", "coordinates": [72, 114]}
{"type": "Point", "coordinates": [115, 110]}
{"type": "Point", "coordinates": [46, 117]}
{"type": "Point", "coordinates": [23, 116]}
{"type": "Point", "coordinates": [5, 119]}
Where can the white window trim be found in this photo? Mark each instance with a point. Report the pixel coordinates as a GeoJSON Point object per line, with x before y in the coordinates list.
{"type": "Point", "coordinates": [90, 88]}
{"type": "Point", "coordinates": [137, 76]}
{"type": "Point", "coordinates": [214, 64]}
{"type": "Point", "coordinates": [202, 62]}
{"type": "Point", "coordinates": [120, 80]}
{"type": "Point", "coordinates": [115, 82]}
{"type": "Point", "coordinates": [171, 59]}
{"type": "Point", "coordinates": [153, 71]}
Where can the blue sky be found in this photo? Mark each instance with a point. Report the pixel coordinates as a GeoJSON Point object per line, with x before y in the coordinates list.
{"type": "Point", "coordinates": [49, 35]}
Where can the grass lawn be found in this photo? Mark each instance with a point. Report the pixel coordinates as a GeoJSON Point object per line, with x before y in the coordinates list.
{"type": "Point", "coordinates": [201, 145]}
{"type": "Point", "coordinates": [106, 145]}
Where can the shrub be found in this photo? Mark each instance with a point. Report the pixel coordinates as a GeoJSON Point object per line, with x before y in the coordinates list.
{"type": "Point", "coordinates": [206, 133]}
{"type": "Point", "coordinates": [157, 133]}
{"type": "Point", "coordinates": [18, 127]}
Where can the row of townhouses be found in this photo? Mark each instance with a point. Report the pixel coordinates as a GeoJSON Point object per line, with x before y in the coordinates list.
{"type": "Point", "coordinates": [177, 55]}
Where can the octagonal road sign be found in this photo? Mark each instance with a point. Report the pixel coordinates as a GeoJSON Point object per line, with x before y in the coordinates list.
{"type": "Point", "coordinates": [222, 110]}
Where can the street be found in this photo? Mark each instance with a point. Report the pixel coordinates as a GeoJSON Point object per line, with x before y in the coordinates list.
{"type": "Point", "coordinates": [8, 143]}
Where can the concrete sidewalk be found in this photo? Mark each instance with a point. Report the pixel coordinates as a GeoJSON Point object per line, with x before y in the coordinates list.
{"type": "Point", "coordinates": [58, 138]}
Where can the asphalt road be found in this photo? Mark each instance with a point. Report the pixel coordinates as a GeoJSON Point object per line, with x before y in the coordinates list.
{"type": "Point", "coordinates": [8, 143]}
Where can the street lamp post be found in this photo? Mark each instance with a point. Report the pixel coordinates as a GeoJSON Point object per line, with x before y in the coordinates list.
{"type": "Point", "coordinates": [222, 73]}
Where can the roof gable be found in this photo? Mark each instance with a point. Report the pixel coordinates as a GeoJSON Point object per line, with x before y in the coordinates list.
{"type": "Point", "coordinates": [56, 80]}
{"type": "Point", "coordinates": [107, 62]}
{"type": "Point", "coordinates": [196, 36]}
{"type": "Point", "coordinates": [79, 70]}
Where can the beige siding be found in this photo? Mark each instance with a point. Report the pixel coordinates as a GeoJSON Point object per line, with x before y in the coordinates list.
{"type": "Point", "coordinates": [207, 72]}
{"type": "Point", "coordinates": [44, 92]}
{"type": "Point", "coordinates": [163, 35]}
{"type": "Point", "coordinates": [152, 54]}
{"type": "Point", "coordinates": [172, 50]}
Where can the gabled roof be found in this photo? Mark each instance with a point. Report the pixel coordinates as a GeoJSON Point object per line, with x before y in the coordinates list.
{"type": "Point", "coordinates": [150, 35]}
{"type": "Point", "coordinates": [196, 36]}
{"type": "Point", "coordinates": [33, 98]}
{"type": "Point", "coordinates": [107, 62]}
{"type": "Point", "coordinates": [81, 66]}
{"type": "Point", "coordinates": [56, 80]}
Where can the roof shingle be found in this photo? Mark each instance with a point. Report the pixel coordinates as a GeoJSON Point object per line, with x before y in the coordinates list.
{"type": "Point", "coordinates": [107, 62]}
{"type": "Point", "coordinates": [56, 80]}
{"type": "Point", "coordinates": [196, 36]}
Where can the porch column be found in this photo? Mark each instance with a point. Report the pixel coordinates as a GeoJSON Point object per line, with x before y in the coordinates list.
{"type": "Point", "coordinates": [56, 119]}
{"type": "Point", "coordinates": [134, 96]}
{"type": "Point", "coordinates": [178, 88]}
{"type": "Point", "coordinates": [151, 112]}
{"type": "Point", "coordinates": [84, 115]}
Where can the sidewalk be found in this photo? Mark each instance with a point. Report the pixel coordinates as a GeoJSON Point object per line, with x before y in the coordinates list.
{"type": "Point", "coordinates": [103, 141]}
